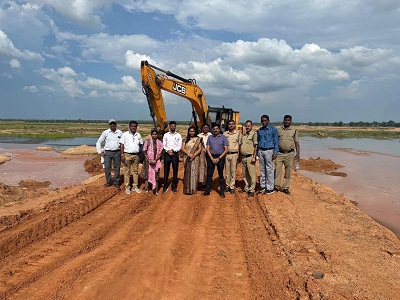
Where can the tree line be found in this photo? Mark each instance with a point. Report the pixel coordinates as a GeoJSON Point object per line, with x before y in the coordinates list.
{"type": "Point", "coordinates": [390, 123]}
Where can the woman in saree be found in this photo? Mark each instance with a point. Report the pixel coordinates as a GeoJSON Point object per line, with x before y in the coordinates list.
{"type": "Point", "coordinates": [191, 147]}
{"type": "Point", "coordinates": [152, 150]}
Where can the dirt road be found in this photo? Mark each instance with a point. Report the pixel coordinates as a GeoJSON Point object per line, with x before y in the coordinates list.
{"type": "Point", "coordinates": [91, 242]}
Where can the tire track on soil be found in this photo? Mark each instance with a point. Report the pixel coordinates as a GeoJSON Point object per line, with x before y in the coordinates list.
{"type": "Point", "coordinates": [61, 249]}
{"type": "Point", "coordinates": [270, 270]}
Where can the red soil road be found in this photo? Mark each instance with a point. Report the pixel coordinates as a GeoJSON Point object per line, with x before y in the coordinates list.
{"type": "Point", "coordinates": [91, 242]}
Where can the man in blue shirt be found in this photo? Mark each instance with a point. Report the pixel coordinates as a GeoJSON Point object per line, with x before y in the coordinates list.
{"type": "Point", "coordinates": [217, 147]}
{"type": "Point", "coordinates": [268, 147]}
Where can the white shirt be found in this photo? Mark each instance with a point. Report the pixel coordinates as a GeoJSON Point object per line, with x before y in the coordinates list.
{"type": "Point", "coordinates": [205, 137]}
{"type": "Point", "coordinates": [110, 140]}
{"type": "Point", "coordinates": [172, 141]}
{"type": "Point", "coordinates": [131, 141]}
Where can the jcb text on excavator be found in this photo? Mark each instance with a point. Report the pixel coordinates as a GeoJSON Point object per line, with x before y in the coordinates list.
{"type": "Point", "coordinates": [152, 85]}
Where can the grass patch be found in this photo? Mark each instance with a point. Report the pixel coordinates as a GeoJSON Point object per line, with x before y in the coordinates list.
{"type": "Point", "coordinates": [63, 129]}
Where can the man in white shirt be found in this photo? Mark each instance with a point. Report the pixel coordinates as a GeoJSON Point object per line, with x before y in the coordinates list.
{"type": "Point", "coordinates": [172, 142]}
{"type": "Point", "coordinates": [110, 138]}
{"type": "Point", "coordinates": [205, 133]}
{"type": "Point", "coordinates": [130, 146]}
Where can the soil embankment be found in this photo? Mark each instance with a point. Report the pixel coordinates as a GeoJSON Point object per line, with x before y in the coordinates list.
{"type": "Point", "coordinates": [92, 242]}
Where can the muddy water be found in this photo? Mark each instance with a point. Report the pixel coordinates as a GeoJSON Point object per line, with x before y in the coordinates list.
{"type": "Point", "coordinates": [29, 164]}
{"type": "Point", "coordinates": [373, 176]}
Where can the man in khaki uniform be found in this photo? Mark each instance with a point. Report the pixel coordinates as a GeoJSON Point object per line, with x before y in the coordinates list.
{"type": "Point", "coordinates": [248, 153]}
{"type": "Point", "coordinates": [289, 150]}
{"type": "Point", "coordinates": [234, 139]}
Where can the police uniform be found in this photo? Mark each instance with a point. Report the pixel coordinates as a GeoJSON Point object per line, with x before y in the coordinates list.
{"type": "Point", "coordinates": [232, 158]}
{"type": "Point", "coordinates": [248, 144]}
{"type": "Point", "coordinates": [287, 139]}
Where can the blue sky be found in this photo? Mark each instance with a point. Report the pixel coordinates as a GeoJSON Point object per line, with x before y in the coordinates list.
{"type": "Point", "coordinates": [320, 60]}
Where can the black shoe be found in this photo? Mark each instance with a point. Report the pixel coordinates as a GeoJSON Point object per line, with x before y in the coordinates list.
{"type": "Point", "coordinates": [174, 191]}
{"type": "Point", "coordinates": [117, 187]}
{"type": "Point", "coordinates": [277, 189]}
{"type": "Point", "coordinates": [242, 191]}
{"type": "Point", "coordinates": [107, 184]}
{"type": "Point", "coordinates": [269, 192]}
{"type": "Point", "coordinates": [286, 191]}
{"type": "Point", "coordinates": [261, 190]}
{"type": "Point", "coordinates": [206, 193]}
{"type": "Point", "coordinates": [232, 191]}
{"type": "Point", "coordinates": [251, 194]}
{"type": "Point", "coordinates": [165, 190]}
{"type": "Point", "coordinates": [227, 189]}
{"type": "Point", "coordinates": [222, 195]}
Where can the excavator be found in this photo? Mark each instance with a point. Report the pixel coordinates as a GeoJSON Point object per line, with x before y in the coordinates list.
{"type": "Point", "coordinates": [152, 85]}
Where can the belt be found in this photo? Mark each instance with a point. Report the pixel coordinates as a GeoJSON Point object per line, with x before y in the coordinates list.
{"type": "Point", "coordinates": [175, 152]}
{"type": "Point", "coordinates": [132, 153]}
{"type": "Point", "coordinates": [263, 149]}
{"type": "Point", "coordinates": [113, 150]}
{"type": "Point", "coordinates": [233, 152]}
{"type": "Point", "coordinates": [247, 155]}
{"type": "Point", "coordinates": [285, 152]}
{"type": "Point", "coordinates": [216, 155]}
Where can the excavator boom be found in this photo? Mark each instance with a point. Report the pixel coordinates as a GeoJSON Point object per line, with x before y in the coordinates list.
{"type": "Point", "coordinates": [152, 85]}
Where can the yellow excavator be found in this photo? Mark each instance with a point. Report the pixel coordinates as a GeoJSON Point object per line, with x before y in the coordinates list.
{"type": "Point", "coordinates": [152, 85]}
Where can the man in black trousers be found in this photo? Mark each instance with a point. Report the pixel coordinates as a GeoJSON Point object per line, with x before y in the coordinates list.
{"type": "Point", "coordinates": [172, 142]}
{"type": "Point", "coordinates": [217, 147]}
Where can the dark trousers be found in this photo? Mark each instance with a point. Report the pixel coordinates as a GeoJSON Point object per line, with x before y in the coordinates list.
{"type": "Point", "coordinates": [210, 172]}
{"type": "Point", "coordinates": [168, 160]}
{"type": "Point", "coordinates": [109, 157]}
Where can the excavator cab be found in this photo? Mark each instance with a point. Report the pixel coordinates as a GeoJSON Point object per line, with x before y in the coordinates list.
{"type": "Point", "coordinates": [221, 116]}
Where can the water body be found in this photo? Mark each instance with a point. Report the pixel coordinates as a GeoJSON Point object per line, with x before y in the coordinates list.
{"type": "Point", "coordinates": [58, 144]}
{"type": "Point", "coordinates": [372, 168]}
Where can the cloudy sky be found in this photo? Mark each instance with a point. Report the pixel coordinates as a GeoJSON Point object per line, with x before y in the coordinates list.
{"type": "Point", "coordinates": [318, 60]}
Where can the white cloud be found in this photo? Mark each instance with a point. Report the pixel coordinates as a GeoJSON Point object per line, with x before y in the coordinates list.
{"type": "Point", "coordinates": [77, 85]}
{"type": "Point", "coordinates": [93, 93]}
{"type": "Point", "coordinates": [332, 74]}
{"type": "Point", "coordinates": [83, 12]}
{"type": "Point", "coordinates": [7, 49]}
{"type": "Point", "coordinates": [66, 71]}
{"type": "Point", "coordinates": [31, 89]}
{"type": "Point", "coordinates": [25, 23]}
{"type": "Point", "coordinates": [62, 77]}
{"type": "Point", "coordinates": [15, 64]}
{"type": "Point", "coordinates": [132, 59]}
{"type": "Point", "coordinates": [262, 52]}
{"type": "Point", "coordinates": [351, 91]}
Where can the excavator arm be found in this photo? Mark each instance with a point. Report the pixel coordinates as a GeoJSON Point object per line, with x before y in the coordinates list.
{"type": "Point", "coordinates": [152, 85]}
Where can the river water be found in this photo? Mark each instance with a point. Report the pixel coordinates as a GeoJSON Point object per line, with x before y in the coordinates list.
{"type": "Point", "coordinates": [372, 168]}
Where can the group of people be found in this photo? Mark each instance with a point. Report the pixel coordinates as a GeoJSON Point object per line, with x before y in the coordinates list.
{"type": "Point", "coordinates": [275, 148]}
